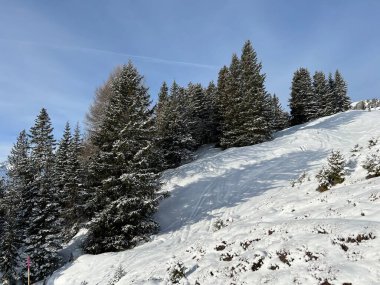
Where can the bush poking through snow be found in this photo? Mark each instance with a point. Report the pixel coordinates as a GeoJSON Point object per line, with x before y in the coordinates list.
{"type": "Point", "coordinates": [119, 273]}
{"type": "Point", "coordinates": [372, 165]}
{"type": "Point", "coordinates": [175, 271]}
{"type": "Point", "coordinates": [218, 224]}
{"type": "Point", "coordinates": [332, 174]}
{"type": "Point", "coordinates": [372, 142]}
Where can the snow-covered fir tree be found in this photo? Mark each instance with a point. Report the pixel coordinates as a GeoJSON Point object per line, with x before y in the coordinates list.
{"type": "Point", "coordinates": [254, 108]}
{"type": "Point", "coordinates": [212, 114]}
{"type": "Point", "coordinates": [279, 118]}
{"type": "Point", "coordinates": [125, 184]}
{"type": "Point", "coordinates": [340, 90]}
{"type": "Point", "coordinates": [10, 237]}
{"type": "Point", "coordinates": [196, 113]}
{"type": "Point", "coordinates": [302, 101]}
{"type": "Point", "coordinates": [42, 242]}
{"type": "Point", "coordinates": [320, 90]}
{"type": "Point", "coordinates": [172, 124]}
{"type": "Point", "coordinates": [230, 99]}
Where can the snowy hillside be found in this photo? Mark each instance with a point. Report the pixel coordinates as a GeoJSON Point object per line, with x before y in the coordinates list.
{"type": "Point", "coordinates": [242, 216]}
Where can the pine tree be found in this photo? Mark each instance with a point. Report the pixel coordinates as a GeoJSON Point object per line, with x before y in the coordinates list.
{"type": "Point", "coordinates": [42, 243]}
{"type": "Point", "coordinates": [172, 123]}
{"type": "Point", "coordinates": [279, 118]}
{"type": "Point", "coordinates": [122, 176]}
{"type": "Point", "coordinates": [10, 241]}
{"type": "Point", "coordinates": [196, 113]}
{"type": "Point", "coordinates": [254, 108]}
{"type": "Point", "coordinates": [16, 207]}
{"type": "Point", "coordinates": [212, 114]}
{"type": "Point", "coordinates": [230, 101]}
{"type": "Point", "coordinates": [331, 98]}
{"type": "Point", "coordinates": [343, 101]}
{"type": "Point", "coordinates": [320, 89]}
{"type": "Point", "coordinates": [301, 93]}
{"type": "Point", "coordinates": [222, 102]}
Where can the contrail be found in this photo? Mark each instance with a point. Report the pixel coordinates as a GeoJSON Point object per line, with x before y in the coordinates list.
{"type": "Point", "coordinates": [94, 50]}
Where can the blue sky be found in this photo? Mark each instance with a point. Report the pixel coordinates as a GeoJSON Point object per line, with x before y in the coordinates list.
{"type": "Point", "coordinates": [54, 53]}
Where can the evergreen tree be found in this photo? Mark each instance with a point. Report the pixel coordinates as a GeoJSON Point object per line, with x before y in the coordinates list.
{"type": "Point", "coordinates": [254, 108]}
{"type": "Point", "coordinates": [343, 101]}
{"type": "Point", "coordinates": [320, 89]}
{"type": "Point", "coordinates": [172, 123]}
{"type": "Point", "coordinates": [17, 208]}
{"type": "Point", "coordinates": [10, 238]}
{"type": "Point", "coordinates": [122, 175]}
{"type": "Point", "coordinates": [230, 99]}
{"type": "Point", "coordinates": [279, 118]}
{"type": "Point", "coordinates": [301, 93]}
{"type": "Point", "coordinates": [222, 101]}
{"type": "Point", "coordinates": [42, 241]}
{"type": "Point", "coordinates": [212, 114]}
{"type": "Point", "coordinates": [331, 98]}
{"type": "Point", "coordinates": [196, 113]}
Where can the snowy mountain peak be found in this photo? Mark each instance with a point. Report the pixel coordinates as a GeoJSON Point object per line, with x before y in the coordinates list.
{"type": "Point", "coordinates": [251, 215]}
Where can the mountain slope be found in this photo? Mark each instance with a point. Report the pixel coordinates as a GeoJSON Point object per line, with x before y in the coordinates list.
{"type": "Point", "coordinates": [234, 217]}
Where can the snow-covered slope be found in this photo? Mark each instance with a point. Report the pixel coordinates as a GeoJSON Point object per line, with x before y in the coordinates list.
{"type": "Point", "coordinates": [234, 218]}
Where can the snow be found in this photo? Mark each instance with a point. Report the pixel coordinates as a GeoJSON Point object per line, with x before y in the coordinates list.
{"type": "Point", "coordinates": [233, 217]}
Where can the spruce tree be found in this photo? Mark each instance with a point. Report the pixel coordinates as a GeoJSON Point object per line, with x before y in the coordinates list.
{"type": "Point", "coordinates": [196, 113]}
{"type": "Point", "coordinates": [222, 101]}
{"type": "Point", "coordinates": [212, 132]}
{"type": "Point", "coordinates": [10, 241]}
{"type": "Point", "coordinates": [254, 108]}
{"type": "Point", "coordinates": [331, 102]}
{"type": "Point", "coordinates": [301, 110]}
{"type": "Point", "coordinates": [172, 124]}
{"type": "Point", "coordinates": [17, 208]}
{"type": "Point", "coordinates": [279, 118]}
{"type": "Point", "coordinates": [42, 242]}
{"type": "Point", "coordinates": [231, 97]}
{"type": "Point", "coordinates": [122, 175]}
{"type": "Point", "coordinates": [320, 89]}
{"type": "Point", "coordinates": [343, 101]}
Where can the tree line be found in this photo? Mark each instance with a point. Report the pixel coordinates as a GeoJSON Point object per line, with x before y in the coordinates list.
{"type": "Point", "coordinates": [108, 179]}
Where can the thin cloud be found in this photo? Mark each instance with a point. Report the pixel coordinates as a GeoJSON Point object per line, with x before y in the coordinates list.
{"type": "Point", "coordinates": [101, 51]}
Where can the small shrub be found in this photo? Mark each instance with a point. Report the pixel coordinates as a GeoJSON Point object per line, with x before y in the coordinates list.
{"type": "Point", "coordinates": [333, 174]}
{"type": "Point", "coordinates": [84, 283]}
{"type": "Point", "coordinates": [372, 165]}
{"type": "Point", "coordinates": [218, 224]}
{"type": "Point", "coordinates": [372, 142]}
{"type": "Point", "coordinates": [119, 273]}
{"type": "Point", "coordinates": [175, 271]}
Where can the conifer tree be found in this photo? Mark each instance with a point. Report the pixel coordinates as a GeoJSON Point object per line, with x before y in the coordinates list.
{"type": "Point", "coordinates": [17, 207]}
{"type": "Point", "coordinates": [279, 118]}
{"type": "Point", "coordinates": [230, 100]}
{"type": "Point", "coordinates": [320, 89]}
{"type": "Point", "coordinates": [122, 176]}
{"type": "Point", "coordinates": [212, 114]}
{"type": "Point", "coordinates": [197, 113]}
{"type": "Point", "coordinates": [42, 241]}
{"type": "Point", "coordinates": [222, 101]}
{"type": "Point", "coordinates": [255, 105]}
{"type": "Point", "coordinates": [301, 92]}
{"type": "Point", "coordinates": [331, 98]}
{"type": "Point", "coordinates": [10, 241]}
{"type": "Point", "coordinates": [172, 124]}
{"type": "Point", "coordinates": [343, 101]}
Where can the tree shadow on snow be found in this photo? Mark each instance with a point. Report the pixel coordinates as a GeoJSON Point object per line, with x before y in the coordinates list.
{"type": "Point", "coordinates": [195, 201]}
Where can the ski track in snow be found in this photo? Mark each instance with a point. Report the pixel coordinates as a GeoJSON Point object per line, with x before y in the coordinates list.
{"type": "Point", "coordinates": [294, 235]}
